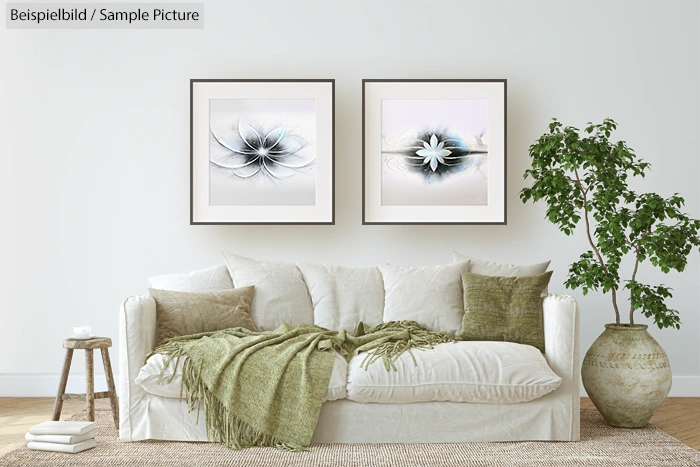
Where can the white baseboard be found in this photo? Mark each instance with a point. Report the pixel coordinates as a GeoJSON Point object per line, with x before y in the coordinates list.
{"type": "Point", "coordinates": [46, 384]}
{"type": "Point", "coordinates": [682, 386]}
{"type": "Point", "coordinates": [685, 386]}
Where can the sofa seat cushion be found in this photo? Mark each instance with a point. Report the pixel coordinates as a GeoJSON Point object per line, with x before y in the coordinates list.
{"type": "Point", "coordinates": [475, 371]}
{"type": "Point", "coordinates": [150, 372]}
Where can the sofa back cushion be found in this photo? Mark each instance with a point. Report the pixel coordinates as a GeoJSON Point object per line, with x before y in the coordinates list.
{"type": "Point", "coordinates": [490, 268]}
{"type": "Point", "coordinates": [280, 292]}
{"type": "Point", "coordinates": [202, 280]}
{"type": "Point", "coordinates": [343, 296]}
{"type": "Point", "coordinates": [431, 296]}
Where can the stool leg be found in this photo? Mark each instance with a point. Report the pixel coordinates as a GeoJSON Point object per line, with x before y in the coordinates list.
{"type": "Point", "coordinates": [58, 405]}
{"type": "Point", "coordinates": [110, 386]}
{"type": "Point", "coordinates": [90, 385]}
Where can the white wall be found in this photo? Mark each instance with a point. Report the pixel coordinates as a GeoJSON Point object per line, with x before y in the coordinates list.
{"type": "Point", "coordinates": [94, 147]}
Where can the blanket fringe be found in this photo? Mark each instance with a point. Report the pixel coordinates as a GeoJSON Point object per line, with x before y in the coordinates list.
{"type": "Point", "coordinates": [418, 338]}
{"type": "Point", "coordinates": [221, 424]}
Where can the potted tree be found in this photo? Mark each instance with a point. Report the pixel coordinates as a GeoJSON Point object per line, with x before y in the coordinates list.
{"type": "Point", "coordinates": [583, 176]}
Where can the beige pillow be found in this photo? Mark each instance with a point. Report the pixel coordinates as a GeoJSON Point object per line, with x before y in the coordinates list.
{"type": "Point", "coordinates": [183, 313]}
{"type": "Point", "coordinates": [489, 268]}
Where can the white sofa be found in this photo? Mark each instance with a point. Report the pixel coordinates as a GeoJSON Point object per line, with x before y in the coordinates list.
{"type": "Point", "coordinates": [401, 411]}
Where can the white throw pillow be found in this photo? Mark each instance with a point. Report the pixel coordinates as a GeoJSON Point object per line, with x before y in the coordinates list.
{"type": "Point", "coordinates": [489, 268]}
{"type": "Point", "coordinates": [343, 296]}
{"type": "Point", "coordinates": [431, 296]}
{"type": "Point", "coordinates": [150, 373]}
{"type": "Point", "coordinates": [212, 279]}
{"type": "Point", "coordinates": [469, 371]}
{"type": "Point", "coordinates": [280, 292]}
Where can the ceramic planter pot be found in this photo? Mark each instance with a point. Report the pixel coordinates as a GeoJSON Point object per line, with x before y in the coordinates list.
{"type": "Point", "coordinates": [627, 375]}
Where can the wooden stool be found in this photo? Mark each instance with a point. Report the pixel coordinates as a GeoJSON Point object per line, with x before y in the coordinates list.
{"type": "Point", "coordinates": [102, 343]}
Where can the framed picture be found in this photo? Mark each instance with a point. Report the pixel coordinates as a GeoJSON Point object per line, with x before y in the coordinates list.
{"type": "Point", "coordinates": [262, 151]}
{"type": "Point", "coordinates": [434, 151]}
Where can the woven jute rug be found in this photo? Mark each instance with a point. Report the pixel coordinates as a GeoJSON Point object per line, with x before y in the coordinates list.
{"type": "Point", "coordinates": [600, 446]}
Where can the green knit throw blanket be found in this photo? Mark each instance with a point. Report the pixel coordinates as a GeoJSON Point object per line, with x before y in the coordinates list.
{"type": "Point", "coordinates": [266, 388]}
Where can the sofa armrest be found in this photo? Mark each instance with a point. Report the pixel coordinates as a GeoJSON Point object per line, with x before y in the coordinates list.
{"type": "Point", "coordinates": [561, 335]}
{"type": "Point", "coordinates": [137, 338]}
{"type": "Point", "coordinates": [561, 344]}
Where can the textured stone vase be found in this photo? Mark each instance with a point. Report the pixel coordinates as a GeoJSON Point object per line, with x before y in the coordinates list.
{"type": "Point", "coordinates": [627, 375]}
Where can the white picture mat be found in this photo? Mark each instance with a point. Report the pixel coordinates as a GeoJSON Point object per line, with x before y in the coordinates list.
{"type": "Point", "coordinates": [374, 92]}
{"type": "Point", "coordinates": [202, 92]}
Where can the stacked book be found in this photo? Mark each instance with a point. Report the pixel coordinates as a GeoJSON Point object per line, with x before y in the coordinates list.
{"type": "Point", "coordinates": [62, 436]}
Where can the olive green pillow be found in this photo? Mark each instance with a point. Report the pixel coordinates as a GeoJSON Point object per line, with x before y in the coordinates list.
{"type": "Point", "coordinates": [504, 308]}
{"type": "Point", "coordinates": [183, 313]}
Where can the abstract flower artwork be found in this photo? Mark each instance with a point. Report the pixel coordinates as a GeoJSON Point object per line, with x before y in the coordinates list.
{"type": "Point", "coordinates": [429, 152]}
{"type": "Point", "coordinates": [268, 149]}
{"type": "Point", "coordinates": [435, 152]}
{"type": "Point", "coordinates": [262, 151]}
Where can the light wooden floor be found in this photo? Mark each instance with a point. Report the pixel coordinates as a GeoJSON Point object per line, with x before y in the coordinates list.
{"type": "Point", "coordinates": [679, 417]}
{"type": "Point", "coordinates": [17, 414]}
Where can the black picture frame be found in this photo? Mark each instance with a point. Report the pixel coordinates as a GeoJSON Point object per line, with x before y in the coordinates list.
{"type": "Point", "coordinates": [205, 212]}
{"type": "Point", "coordinates": [375, 161]}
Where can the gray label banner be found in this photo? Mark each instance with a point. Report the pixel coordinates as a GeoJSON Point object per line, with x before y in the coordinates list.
{"type": "Point", "coordinates": [105, 16]}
